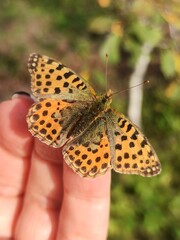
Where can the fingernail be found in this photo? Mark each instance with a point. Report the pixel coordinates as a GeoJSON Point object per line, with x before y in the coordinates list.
{"type": "Point", "coordinates": [20, 93]}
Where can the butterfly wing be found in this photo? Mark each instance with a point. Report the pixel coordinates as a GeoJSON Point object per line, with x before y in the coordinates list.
{"type": "Point", "coordinates": [130, 150]}
{"type": "Point", "coordinates": [89, 154]}
{"type": "Point", "coordinates": [52, 79]}
{"type": "Point", "coordinates": [51, 120]}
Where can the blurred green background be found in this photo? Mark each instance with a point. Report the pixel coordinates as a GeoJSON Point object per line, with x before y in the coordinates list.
{"type": "Point", "coordinates": [80, 33]}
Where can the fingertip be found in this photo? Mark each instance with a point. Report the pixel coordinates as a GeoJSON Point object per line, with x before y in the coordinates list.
{"type": "Point", "coordinates": [13, 127]}
{"type": "Point", "coordinates": [87, 187]}
{"type": "Point", "coordinates": [20, 94]}
{"type": "Point", "coordinates": [23, 95]}
{"type": "Point", "coordinates": [48, 153]}
{"type": "Point", "coordinates": [86, 203]}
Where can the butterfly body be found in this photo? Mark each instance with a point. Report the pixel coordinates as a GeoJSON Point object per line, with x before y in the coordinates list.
{"type": "Point", "coordinates": [89, 113]}
{"type": "Point", "coordinates": [95, 138]}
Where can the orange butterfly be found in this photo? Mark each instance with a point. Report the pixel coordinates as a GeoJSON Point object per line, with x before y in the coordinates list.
{"type": "Point", "coordinates": [95, 137]}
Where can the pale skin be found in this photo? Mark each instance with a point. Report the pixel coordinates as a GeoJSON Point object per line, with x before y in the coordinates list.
{"type": "Point", "coordinates": [40, 196]}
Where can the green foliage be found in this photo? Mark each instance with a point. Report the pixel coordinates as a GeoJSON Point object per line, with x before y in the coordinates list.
{"type": "Point", "coordinates": [81, 33]}
{"type": "Point", "coordinates": [167, 63]}
{"type": "Point", "coordinates": [111, 46]}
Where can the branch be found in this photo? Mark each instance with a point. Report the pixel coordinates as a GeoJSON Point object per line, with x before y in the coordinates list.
{"type": "Point", "coordinates": [136, 95]}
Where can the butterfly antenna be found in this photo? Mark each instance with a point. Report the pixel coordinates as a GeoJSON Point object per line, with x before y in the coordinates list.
{"type": "Point", "coordinates": [106, 72]}
{"type": "Point", "coordinates": [139, 84]}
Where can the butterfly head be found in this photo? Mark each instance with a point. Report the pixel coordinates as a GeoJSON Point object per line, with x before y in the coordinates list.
{"type": "Point", "coordinates": [109, 94]}
{"type": "Point", "coordinates": [107, 99]}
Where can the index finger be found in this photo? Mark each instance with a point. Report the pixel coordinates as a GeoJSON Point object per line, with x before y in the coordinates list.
{"type": "Point", "coordinates": [85, 209]}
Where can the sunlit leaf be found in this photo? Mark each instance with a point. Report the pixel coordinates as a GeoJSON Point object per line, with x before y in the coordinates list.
{"type": "Point", "coordinates": [167, 63]}
{"type": "Point", "coordinates": [100, 25]}
{"type": "Point", "coordinates": [111, 46]}
{"type": "Point", "coordinates": [177, 61]}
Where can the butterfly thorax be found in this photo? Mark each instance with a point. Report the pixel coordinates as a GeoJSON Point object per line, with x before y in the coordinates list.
{"type": "Point", "coordinates": [90, 111]}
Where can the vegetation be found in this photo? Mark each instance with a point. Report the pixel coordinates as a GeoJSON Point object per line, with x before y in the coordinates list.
{"type": "Point", "coordinates": [79, 33]}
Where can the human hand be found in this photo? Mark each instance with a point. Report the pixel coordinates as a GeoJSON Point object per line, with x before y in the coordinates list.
{"type": "Point", "coordinates": [40, 196]}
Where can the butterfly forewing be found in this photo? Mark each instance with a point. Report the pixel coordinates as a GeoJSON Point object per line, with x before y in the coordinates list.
{"type": "Point", "coordinates": [132, 152]}
{"type": "Point", "coordinates": [52, 79]}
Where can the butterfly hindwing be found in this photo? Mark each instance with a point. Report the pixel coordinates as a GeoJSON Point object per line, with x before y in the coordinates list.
{"type": "Point", "coordinates": [51, 120]}
{"type": "Point", "coordinates": [89, 154]}
{"type": "Point", "coordinates": [52, 79]}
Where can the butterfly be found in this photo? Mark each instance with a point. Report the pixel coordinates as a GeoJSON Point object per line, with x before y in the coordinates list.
{"type": "Point", "coordinates": [95, 138]}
